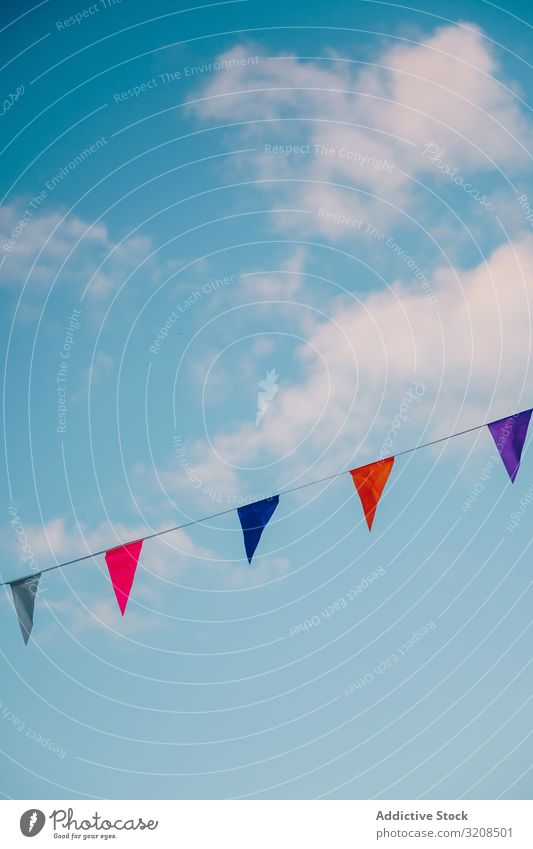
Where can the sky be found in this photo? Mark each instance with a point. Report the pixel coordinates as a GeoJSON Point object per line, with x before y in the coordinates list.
{"type": "Point", "coordinates": [244, 247]}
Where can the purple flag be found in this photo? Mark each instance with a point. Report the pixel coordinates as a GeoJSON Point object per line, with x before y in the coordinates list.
{"type": "Point", "coordinates": [509, 435]}
{"type": "Point", "coordinates": [253, 518]}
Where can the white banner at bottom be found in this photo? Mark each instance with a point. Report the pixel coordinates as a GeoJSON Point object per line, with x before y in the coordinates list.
{"type": "Point", "coordinates": [266, 824]}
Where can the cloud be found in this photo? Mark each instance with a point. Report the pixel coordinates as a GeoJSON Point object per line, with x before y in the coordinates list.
{"type": "Point", "coordinates": [349, 137]}
{"type": "Point", "coordinates": [43, 248]}
{"type": "Point", "coordinates": [284, 283]}
{"type": "Point", "coordinates": [361, 129]}
{"type": "Point", "coordinates": [469, 347]}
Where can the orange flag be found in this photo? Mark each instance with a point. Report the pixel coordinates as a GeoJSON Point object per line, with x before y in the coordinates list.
{"type": "Point", "coordinates": [122, 563]}
{"type": "Point", "coordinates": [370, 482]}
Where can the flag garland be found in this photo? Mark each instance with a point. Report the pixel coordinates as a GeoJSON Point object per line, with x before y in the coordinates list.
{"type": "Point", "coordinates": [509, 435]}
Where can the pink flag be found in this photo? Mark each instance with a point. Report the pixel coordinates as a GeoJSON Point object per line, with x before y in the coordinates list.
{"type": "Point", "coordinates": [122, 563]}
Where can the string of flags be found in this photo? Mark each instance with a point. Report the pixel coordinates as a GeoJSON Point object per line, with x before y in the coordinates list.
{"type": "Point", "coordinates": [509, 435]}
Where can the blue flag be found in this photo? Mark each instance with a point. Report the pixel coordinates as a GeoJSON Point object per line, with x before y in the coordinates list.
{"type": "Point", "coordinates": [24, 592]}
{"type": "Point", "coordinates": [253, 518]}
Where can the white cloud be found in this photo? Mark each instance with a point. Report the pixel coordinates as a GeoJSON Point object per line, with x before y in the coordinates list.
{"type": "Point", "coordinates": [471, 349]}
{"type": "Point", "coordinates": [45, 540]}
{"type": "Point", "coordinates": [42, 248]}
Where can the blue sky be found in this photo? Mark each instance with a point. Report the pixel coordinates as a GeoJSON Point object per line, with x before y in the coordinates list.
{"type": "Point", "coordinates": [321, 212]}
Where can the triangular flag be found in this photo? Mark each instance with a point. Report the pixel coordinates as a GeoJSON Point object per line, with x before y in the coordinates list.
{"type": "Point", "coordinates": [122, 563]}
{"type": "Point", "coordinates": [253, 518]}
{"type": "Point", "coordinates": [509, 435]}
{"type": "Point", "coordinates": [24, 592]}
{"type": "Point", "coordinates": [370, 482]}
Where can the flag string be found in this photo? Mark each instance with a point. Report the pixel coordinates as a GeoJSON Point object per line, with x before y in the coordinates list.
{"type": "Point", "coordinates": [234, 509]}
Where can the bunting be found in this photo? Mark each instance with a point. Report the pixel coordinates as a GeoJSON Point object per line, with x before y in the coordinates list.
{"type": "Point", "coordinates": [24, 592]}
{"type": "Point", "coordinates": [254, 517]}
{"type": "Point", "coordinates": [370, 482]}
{"type": "Point", "coordinates": [509, 435]}
{"type": "Point", "coordinates": [122, 563]}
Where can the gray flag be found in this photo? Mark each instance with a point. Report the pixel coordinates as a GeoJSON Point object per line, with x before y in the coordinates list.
{"type": "Point", "coordinates": [24, 592]}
